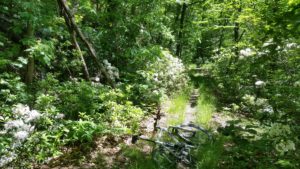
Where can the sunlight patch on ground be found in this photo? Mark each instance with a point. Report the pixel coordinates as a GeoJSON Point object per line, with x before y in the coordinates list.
{"type": "Point", "coordinates": [206, 106]}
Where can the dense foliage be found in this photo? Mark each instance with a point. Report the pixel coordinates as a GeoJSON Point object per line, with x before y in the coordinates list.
{"type": "Point", "coordinates": [74, 70]}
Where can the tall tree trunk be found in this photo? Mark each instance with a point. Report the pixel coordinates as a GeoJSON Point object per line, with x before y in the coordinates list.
{"type": "Point", "coordinates": [178, 12]}
{"type": "Point", "coordinates": [31, 64]}
{"type": "Point", "coordinates": [236, 31]}
{"type": "Point", "coordinates": [112, 7]}
{"type": "Point", "coordinates": [181, 26]}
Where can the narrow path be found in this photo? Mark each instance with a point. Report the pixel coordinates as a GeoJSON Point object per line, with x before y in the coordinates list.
{"type": "Point", "coordinates": [191, 108]}
{"type": "Point", "coordinates": [189, 111]}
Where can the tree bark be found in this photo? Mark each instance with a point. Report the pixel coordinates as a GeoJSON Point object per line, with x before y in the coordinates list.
{"type": "Point", "coordinates": [236, 31]}
{"type": "Point", "coordinates": [31, 64]}
{"type": "Point", "coordinates": [181, 26]}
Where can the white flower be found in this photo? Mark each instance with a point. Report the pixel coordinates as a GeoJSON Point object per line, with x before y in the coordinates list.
{"type": "Point", "coordinates": [246, 52]}
{"type": "Point", "coordinates": [268, 43]}
{"type": "Point", "coordinates": [21, 110]}
{"type": "Point", "coordinates": [259, 83]}
{"type": "Point", "coordinates": [105, 62]}
{"type": "Point", "coordinates": [156, 92]}
{"type": "Point", "coordinates": [3, 132]}
{"type": "Point", "coordinates": [32, 115]}
{"type": "Point", "coordinates": [21, 135]}
{"type": "Point", "coordinates": [27, 127]}
{"type": "Point", "coordinates": [14, 124]}
{"type": "Point", "coordinates": [269, 109]}
{"type": "Point", "coordinates": [226, 109]}
{"type": "Point", "coordinates": [112, 71]}
{"type": "Point", "coordinates": [292, 45]}
{"type": "Point", "coordinates": [60, 116]}
{"type": "Point", "coordinates": [116, 73]}
{"type": "Point", "coordinates": [18, 125]}
{"type": "Point", "coordinates": [7, 158]}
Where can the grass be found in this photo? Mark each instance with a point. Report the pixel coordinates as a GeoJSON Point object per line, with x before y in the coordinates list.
{"type": "Point", "coordinates": [210, 154]}
{"type": "Point", "coordinates": [177, 108]}
{"type": "Point", "coordinates": [138, 159]}
{"type": "Point", "coordinates": [142, 160]}
{"type": "Point", "coordinates": [206, 106]}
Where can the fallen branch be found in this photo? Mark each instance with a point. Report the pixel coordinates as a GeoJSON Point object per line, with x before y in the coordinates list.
{"type": "Point", "coordinates": [63, 4]}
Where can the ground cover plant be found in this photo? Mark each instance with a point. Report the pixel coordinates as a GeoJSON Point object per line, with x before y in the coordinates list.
{"type": "Point", "coordinates": [79, 78]}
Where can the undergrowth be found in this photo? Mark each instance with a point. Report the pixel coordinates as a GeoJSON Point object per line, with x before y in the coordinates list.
{"type": "Point", "coordinates": [177, 108]}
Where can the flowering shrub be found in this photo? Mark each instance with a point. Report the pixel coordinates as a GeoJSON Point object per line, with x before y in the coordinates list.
{"type": "Point", "coordinates": [19, 129]}
{"type": "Point", "coordinates": [168, 72]}
{"type": "Point", "coordinates": [112, 71]}
{"type": "Point", "coordinates": [159, 74]}
{"type": "Point", "coordinates": [260, 107]}
{"type": "Point", "coordinates": [260, 83]}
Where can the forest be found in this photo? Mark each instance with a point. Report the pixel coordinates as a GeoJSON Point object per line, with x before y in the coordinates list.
{"type": "Point", "coordinates": [150, 84]}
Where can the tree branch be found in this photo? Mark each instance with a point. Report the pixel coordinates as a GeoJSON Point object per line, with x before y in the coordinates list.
{"type": "Point", "coordinates": [89, 46]}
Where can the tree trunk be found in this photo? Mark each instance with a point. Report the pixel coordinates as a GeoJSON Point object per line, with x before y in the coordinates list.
{"type": "Point", "coordinates": [30, 65]}
{"type": "Point", "coordinates": [236, 31]}
{"type": "Point", "coordinates": [181, 26]}
{"type": "Point", "coordinates": [178, 9]}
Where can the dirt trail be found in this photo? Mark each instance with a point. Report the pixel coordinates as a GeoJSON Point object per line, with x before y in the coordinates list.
{"type": "Point", "coordinates": [191, 109]}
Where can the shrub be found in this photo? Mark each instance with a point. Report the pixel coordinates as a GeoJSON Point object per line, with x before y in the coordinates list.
{"type": "Point", "coordinates": [159, 73]}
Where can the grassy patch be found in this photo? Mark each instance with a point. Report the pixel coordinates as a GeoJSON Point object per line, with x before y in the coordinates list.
{"type": "Point", "coordinates": [142, 160]}
{"type": "Point", "coordinates": [205, 105]}
{"type": "Point", "coordinates": [138, 159]}
{"type": "Point", "coordinates": [177, 108]}
{"type": "Point", "coordinates": [210, 154]}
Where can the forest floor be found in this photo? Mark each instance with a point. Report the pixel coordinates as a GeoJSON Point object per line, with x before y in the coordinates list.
{"type": "Point", "coordinates": [112, 151]}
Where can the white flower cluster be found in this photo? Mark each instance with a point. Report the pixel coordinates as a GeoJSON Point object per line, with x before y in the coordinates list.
{"type": "Point", "coordinates": [260, 83]}
{"type": "Point", "coordinates": [268, 43]}
{"type": "Point", "coordinates": [246, 52]}
{"type": "Point", "coordinates": [21, 126]}
{"type": "Point", "coordinates": [20, 129]}
{"type": "Point", "coordinates": [292, 45]}
{"type": "Point", "coordinates": [169, 72]}
{"type": "Point", "coordinates": [9, 157]}
{"type": "Point", "coordinates": [112, 71]}
{"type": "Point", "coordinates": [264, 106]}
{"type": "Point", "coordinates": [261, 104]}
